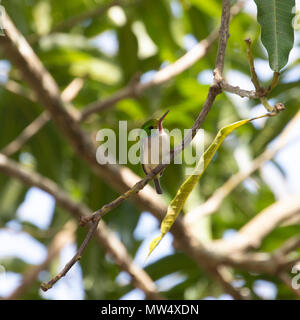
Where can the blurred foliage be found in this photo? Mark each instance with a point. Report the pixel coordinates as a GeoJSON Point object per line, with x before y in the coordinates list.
{"type": "Point", "coordinates": [147, 35]}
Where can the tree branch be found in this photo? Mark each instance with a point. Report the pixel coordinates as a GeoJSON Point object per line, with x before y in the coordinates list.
{"type": "Point", "coordinates": [46, 286]}
{"type": "Point", "coordinates": [238, 91]}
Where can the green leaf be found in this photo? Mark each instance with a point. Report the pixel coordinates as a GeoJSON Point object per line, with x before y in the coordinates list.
{"type": "Point", "coordinates": [189, 184]}
{"type": "Point", "coordinates": [277, 34]}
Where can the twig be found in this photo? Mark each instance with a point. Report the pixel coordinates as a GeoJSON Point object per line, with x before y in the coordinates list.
{"type": "Point", "coordinates": [238, 91]}
{"type": "Point", "coordinates": [274, 82]}
{"type": "Point", "coordinates": [254, 77]}
{"type": "Point", "coordinates": [259, 89]}
{"type": "Point", "coordinates": [46, 286]}
{"type": "Point", "coordinates": [33, 128]}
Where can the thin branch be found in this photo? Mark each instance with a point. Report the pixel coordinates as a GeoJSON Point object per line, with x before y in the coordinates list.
{"type": "Point", "coordinates": [261, 263]}
{"type": "Point", "coordinates": [259, 89]}
{"type": "Point", "coordinates": [91, 14]}
{"type": "Point", "coordinates": [72, 90]}
{"type": "Point", "coordinates": [34, 127]}
{"type": "Point", "coordinates": [260, 92]}
{"type": "Point", "coordinates": [274, 82]}
{"type": "Point", "coordinates": [254, 77]}
{"type": "Point", "coordinates": [238, 91]}
{"type": "Point", "coordinates": [46, 286]}
{"type": "Point", "coordinates": [61, 239]}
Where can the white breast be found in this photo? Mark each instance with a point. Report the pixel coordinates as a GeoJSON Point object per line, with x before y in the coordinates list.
{"type": "Point", "coordinates": [155, 150]}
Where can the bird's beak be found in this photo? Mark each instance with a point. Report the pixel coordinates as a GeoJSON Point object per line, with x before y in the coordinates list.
{"type": "Point", "coordinates": [161, 120]}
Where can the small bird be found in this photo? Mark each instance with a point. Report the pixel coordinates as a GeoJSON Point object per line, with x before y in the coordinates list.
{"type": "Point", "coordinates": [155, 146]}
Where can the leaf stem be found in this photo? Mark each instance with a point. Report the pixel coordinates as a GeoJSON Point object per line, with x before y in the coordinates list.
{"type": "Point", "coordinates": [261, 91]}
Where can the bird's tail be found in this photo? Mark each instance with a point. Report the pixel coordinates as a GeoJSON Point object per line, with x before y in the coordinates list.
{"type": "Point", "coordinates": [157, 186]}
